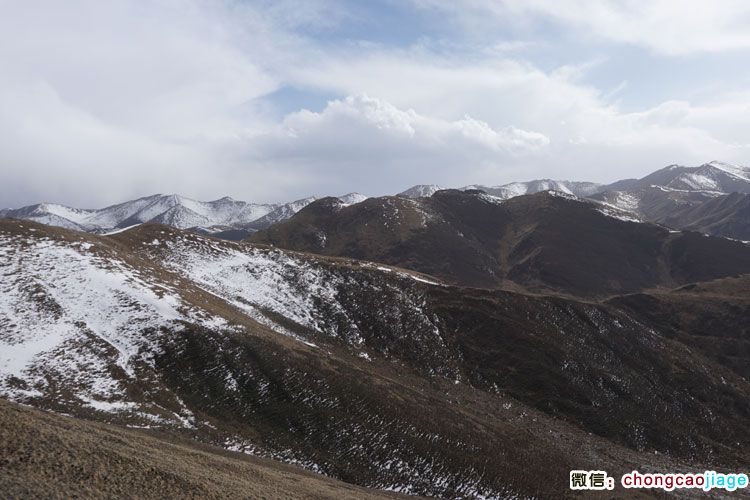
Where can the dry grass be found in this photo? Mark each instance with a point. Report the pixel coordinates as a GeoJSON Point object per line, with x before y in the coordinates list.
{"type": "Point", "coordinates": [43, 455]}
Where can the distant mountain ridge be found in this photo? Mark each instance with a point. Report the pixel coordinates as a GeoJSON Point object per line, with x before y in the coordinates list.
{"type": "Point", "coordinates": [669, 196]}
{"type": "Point", "coordinates": [420, 191]}
{"type": "Point", "coordinates": [513, 189]}
{"type": "Point", "coordinates": [506, 191]}
{"type": "Point", "coordinates": [545, 242]}
{"type": "Point", "coordinates": [711, 198]}
{"type": "Point", "coordinates": [173, 210]}
{"type": "Point", "coordinates": [713, 176]}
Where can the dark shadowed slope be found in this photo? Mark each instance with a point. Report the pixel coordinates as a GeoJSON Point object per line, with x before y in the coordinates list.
{"type": "Point", "coordinates": [715, 214]}
{"type": "Point", "coordinates": [727, 216]}
{"type": "Point", "coordinates": [542, 242]}
{"type": "Point", "coordinates": [713, 317]}
{"type": "Point", "coordinates": [654, 203]}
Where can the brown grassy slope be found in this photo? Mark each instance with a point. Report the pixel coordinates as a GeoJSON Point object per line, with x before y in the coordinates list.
{"type": "Point", "coordinates": [727, 216]}
{"type": "Point", "coordinates": [44, 455]}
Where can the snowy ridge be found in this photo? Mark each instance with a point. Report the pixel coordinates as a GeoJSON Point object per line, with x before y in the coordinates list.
{"type": "Point", "coordinates": [617, 213]}
{"type": "Point", "coordinates": [352, 199]}
{"type": "Point", "coordinates": [266, 284]}
{"type": "Point", "coordinates": [507, 191]}
{"type": "Point", "coordinates": [227, 216]}
{"type": "Point", "coordinates": [73, 317]}
{"type": "Point", "coordinates": [715, 177]}
{"type": "Point", "coordinates": [675, 190]}
{"type": "Point", "coordinates": [173, 210]}
{"type": "Point", "coordinates": [511, 190]}
{"type": "Point", "coordinates": [281, 213]}
{"type": "Point", "coordinates": [733, 170]}
{"type": "Point", "coordinates": [561, 194]}
{"type": "Point", "coordinates": [420, 191]}
{"type": "Point", "coordinates": [682, 197]}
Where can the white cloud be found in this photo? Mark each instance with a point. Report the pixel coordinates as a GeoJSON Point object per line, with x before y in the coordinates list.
{"type": "Point", "coordinates": [366, 143]}
{"type": "Point", "coordinates": [104, 100]}
{"type": "Point", "coordinates": [358, 118]}
{"type": "Point", "coordinates": [590, 135]}
{"type": "Point", "coordinates": [670, 27]}
{"type": "Point", "coordinates": [107, 100]}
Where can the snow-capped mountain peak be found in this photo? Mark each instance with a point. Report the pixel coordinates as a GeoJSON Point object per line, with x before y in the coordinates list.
{"type": "Point", "coordinates": [171, 209]}
{"type": "Point", "coordinates": [513, 189]}
{"type": "Point", "coordinates": [420, 191]}
{"type": "Point", "coordinates": [352, 198]}
{"type": "Point", "coordinates": [713, 176]}
{"type": "Point", "coordinates": [728, 168]}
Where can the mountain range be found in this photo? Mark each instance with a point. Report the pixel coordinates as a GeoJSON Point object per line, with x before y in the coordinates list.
{"type": "Point", "coordinates": [677, 197]}
{"type": "Point", "coordinates": [174, 210]}
{"type": "Point", "coordinates": [456, 343]}
{"type": "Point", "coordinates": [712, 199]}
{"type": "Point", "coordinates": [513, 189]}
{"type": "Point", "coordinates": [546, 242]}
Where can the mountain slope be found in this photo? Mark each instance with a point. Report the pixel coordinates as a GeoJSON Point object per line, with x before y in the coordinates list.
{"type": "Point", "coordinates": [541, 242]}
{"type": "Point", "coordinates": [727, 216]}
{"type": "Point", "coordinates": [50, 214]}
{"type": "Point", "coordinates": [367, 373]}
{"type": "Point", "coordinates": [713, 317]}
{"type": "Point", "coordinates": [46, 455]}
{"type": "Point", "coordinates": [709, 198]}
{"type": "Point", "coordinates": [655, 203]}
{"type": "Point", "coordinates": [714, 176]}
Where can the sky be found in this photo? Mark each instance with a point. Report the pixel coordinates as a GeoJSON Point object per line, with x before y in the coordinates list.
{"type": "Point", "coordinates": [271, 101]}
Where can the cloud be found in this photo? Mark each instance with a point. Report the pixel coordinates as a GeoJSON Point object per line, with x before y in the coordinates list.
{"type": "Point", "coordinates": [669, 27]}
{"type": "Point", "coordinates": [590, 135]}
{"type": "Point", "coordinates": [368, 143]}
{"type": "Point", "coordinates": [104, 101]}
{"type": "Point", "coordinates": [355, 119]}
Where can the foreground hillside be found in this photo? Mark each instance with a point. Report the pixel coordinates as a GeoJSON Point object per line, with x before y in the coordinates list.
{"type": "Point", "coordinates": [366, 373]}
{"type": "Point", "coordinates": [50, 456]}
{"type": "Point", "coordinates": [542, 242]}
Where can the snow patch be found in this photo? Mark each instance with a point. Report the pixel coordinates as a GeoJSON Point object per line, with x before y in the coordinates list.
{"type": "Point", "coordinates": [85, 319]}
